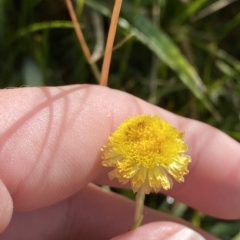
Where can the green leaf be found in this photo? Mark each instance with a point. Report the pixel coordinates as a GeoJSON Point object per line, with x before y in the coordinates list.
{"type": "Point", "coordinates": [43, 26]}
{"type": "Point", "coordinates": [190, 10]}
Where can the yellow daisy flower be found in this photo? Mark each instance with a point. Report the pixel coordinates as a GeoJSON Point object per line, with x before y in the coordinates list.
{"type": "Point", "coordinates": [146, 150]}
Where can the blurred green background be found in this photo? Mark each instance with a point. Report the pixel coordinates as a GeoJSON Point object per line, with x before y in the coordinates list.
{"type": "Point", "coordinates": [179, 54]}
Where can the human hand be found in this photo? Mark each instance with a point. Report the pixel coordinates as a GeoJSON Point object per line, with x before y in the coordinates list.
{"type": "Point", "coordinates": [50, 152]}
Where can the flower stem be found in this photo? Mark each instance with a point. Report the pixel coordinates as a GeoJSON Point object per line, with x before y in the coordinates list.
{"type": "Point", "coordinates": [140, 197]}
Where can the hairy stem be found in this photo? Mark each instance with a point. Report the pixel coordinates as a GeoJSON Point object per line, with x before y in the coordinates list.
{"type": "Point", "coordinates": [140, 197]}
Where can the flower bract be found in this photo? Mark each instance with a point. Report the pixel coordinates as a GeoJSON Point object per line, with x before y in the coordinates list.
{"type": "Point", "coordinates": [147, 151]}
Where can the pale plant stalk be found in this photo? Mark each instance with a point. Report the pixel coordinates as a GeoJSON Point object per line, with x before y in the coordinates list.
{"type": "Point", "coordinates": [110, 41]}
{"type": "Point", "coordinates": [138, 217]}
{"type": "Point", "coordinates": [81, 39]}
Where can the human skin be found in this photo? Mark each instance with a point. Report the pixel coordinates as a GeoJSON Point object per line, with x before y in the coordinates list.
{"type": "Point", "coordinates": [50, 153]}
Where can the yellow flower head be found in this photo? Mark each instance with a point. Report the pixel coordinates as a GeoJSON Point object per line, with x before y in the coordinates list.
{"type": "Point", "coordinates": [145, 150]}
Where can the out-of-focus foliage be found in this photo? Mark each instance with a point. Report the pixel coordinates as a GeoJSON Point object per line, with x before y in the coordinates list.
{"type": "Point", "coordinates": [181, 55]}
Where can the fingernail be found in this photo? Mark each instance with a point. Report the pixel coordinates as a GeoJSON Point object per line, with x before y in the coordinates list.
{"type": "Point", "coordinates": [186, 234]}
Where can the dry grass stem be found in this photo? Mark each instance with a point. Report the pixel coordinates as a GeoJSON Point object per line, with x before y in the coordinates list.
{"type": "Point", "coordinates": [110, 41]}
{"type": "Point", "coordinates": [81, 39]}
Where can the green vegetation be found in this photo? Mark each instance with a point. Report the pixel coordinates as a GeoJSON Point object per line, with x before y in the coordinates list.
{"type": "Point", "coordinates": [179, 54]}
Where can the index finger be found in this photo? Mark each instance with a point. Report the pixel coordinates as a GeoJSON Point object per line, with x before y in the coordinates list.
{"type": "Point", "coordinates": [51, 139]}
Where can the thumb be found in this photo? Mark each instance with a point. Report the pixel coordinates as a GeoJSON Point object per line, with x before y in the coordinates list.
{"type": "Point", "coordinates": [161, 231]}
{"type": "Point", "coordinates": [6, 207]}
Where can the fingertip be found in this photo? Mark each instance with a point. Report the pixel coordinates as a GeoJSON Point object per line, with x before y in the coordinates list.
{"type": "Point", "coordinates": [161, 230]}
{"type": "Point", "coordinates": [6, 207]}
